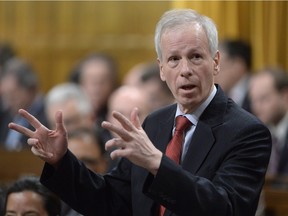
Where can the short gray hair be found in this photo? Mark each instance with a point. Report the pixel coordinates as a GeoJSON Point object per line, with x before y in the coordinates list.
{"type": "Point", "coordinates": [176, 17]}
{"type": "Point", "coordinates": [68, 91]}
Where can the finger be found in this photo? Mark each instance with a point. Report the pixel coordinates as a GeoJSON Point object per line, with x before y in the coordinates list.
{"type": "Point", "coordinates": [59, 121]}
{"type": "Point", "coordinates": [30, 118]}
{"type": "Point", "coordinates": [41, 153]}
{"type": "Point", "coordinates": [114, 143]}
{"type": "Point", "coordinates": [116, 129]}
{"type": "Point", "coordinates": [116, 154]}
{"type": "Point", "coordinates": [135, 117]}
{"type": "Point", "coordinates": [35, 143]}
{"type": "Point", "coordinates": [27, 132]}
{"type": "Point", "coordinates": [125, 122]}
{"type": "Point", "coordinates": [32, 141]}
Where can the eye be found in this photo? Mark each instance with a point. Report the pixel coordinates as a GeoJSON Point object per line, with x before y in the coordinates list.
{"type": "Point", "coordinates": [196, 56]}
{"type": "Point", "coordinates": [173, 59]}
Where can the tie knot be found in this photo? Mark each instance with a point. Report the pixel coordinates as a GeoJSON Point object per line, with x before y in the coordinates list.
{"type": "Point", "coordinates": [182, 123]}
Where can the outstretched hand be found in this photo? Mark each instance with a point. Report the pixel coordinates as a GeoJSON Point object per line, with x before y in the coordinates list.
{"type": "Point", "coordinates": [49, 145]}
{"type": "Point", "coordinates": [133, 143]}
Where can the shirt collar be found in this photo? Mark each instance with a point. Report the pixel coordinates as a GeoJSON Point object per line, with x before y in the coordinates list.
{"type": "Point", "coordinates": [194, 116]}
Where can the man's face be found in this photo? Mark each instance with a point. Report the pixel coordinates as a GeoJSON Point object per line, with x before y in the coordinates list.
{"type": "Point", "coordinates": [72, 116]}
{"type": "Point", "coordinates": [87, 149]}
{"type": "Point", "coordinates": [187, 65]}
{"type": "Point", "coordinates": [97, 83]}
{"type": "Point", "coordinates": [13, 95]}
{"type": "Point", "coordinates": [25, 203]}
{"type": "Point", "coordinates": [266, 102]}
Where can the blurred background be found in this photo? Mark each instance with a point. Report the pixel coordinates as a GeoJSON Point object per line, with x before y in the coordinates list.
{"type": "Point", "coordinates": [54, 35]}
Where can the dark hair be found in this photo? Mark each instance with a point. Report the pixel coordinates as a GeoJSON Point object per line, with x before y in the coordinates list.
{"type": "Point", "coordinates": [2, 200]}
{"type": "Point", "coordinates": [51, 202]}
{"type": "Point", "coordinates": [6, 53]}
{"type": "Point", "coordinates": [238, 49]}
{"type": "Point", "coordinates": [22, 71]}
{"type": "Point", "coordinates": [280, 77]}
{"type": "Point", "coordinates": [93, 133]}
{"type": "Point", "coordinates": [152, 72]}
{"type": "Point", "coordinates": [75, 74]}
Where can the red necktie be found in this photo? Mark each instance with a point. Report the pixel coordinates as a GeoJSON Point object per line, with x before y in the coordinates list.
{"type": "Point", "coordinates": [174, 147]}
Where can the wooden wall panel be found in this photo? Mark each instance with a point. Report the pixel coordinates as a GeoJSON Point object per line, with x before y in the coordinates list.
{"type": "Point", "coordinates": [54, 35]}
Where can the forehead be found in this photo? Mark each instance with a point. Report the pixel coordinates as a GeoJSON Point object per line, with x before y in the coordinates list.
{"type": "Point", "coordinates": [262, 80]}
{"type": "Point", "coordinates": [188, 35]}
{"type": "Point", "coordinates": [95, 67]}
{"type": "Point", "coordinates": [25, 201]}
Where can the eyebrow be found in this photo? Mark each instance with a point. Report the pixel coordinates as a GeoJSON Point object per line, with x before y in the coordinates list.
{"type": "Point", "coordinates": [32, 212]}
{"type": "Point", "coordinates": [25, 213]}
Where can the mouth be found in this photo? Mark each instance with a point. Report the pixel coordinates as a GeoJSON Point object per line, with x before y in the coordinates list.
{"type": "Point", "coordinates": [187, 87]}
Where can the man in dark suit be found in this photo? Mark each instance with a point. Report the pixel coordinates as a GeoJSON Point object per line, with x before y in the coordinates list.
{"type": "Point", "coordinates": [269, 102]}
{"type": "Point", "coordinates": [19, 89]}
{"type": "Point", "coordinates": [236, 69]}
{"type": "Point", "coordinates": [224, 155]}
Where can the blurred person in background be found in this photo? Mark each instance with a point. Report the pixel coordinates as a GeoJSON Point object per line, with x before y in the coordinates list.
{"type": "Point", "coordinates": [123, 100]}
{"type": "Point", "coordinates": [71, 99]}
{"type": "Point", "coordinates": [27, 196]}
{"type": "Point", "coordinates": [235, 70]}
{"type": "Point", "coordinates": [269, 102]}
{"type": "Point", "coordinates": [133, 76]}
{"type": "Point", "coordinates": [78, 116]}
{"type": "Point", "coordinates": [97, 75]}
{"type": "Point", "coordinates": [86, 145]}
{"type": "Point", "coordinates": [158, 91]}
{"type": "Point", "coordinates": [19, 89]}
{"type": "Point", "coordinates": [6, 53]}
{"type": "Point", "coordinates": [146, 75]}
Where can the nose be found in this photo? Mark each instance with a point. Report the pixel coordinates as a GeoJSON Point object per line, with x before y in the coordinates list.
{"type": "Point", "coordinates": [186, 68]}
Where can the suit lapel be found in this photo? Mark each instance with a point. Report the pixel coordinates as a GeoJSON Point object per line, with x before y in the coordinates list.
{"type": "Point", "coordinates": [200, 145]}
{"type": "Point", "coordinates": [282, 166]}
{"type": "Point", "coordinates": [164, 133]}
{"type": "Point", "coordinates": [203, 137]}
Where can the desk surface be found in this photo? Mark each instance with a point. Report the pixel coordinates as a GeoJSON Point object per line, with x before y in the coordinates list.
{"type": "Point", "coordinates": [16, 164]}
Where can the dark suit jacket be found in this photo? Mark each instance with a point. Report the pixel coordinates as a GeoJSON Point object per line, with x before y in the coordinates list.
{"type": "Point", "coordinates": [222, 173]}
{"type": "Point", "coordinates": [283, 162]}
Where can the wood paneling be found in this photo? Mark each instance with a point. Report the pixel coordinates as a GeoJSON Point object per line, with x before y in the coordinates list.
{"type": "Point", "coordinates": [54, 35]}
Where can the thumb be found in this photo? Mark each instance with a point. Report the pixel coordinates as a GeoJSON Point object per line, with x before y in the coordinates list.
{"type": "Point", "coordinates": [135, 117]}
{"type": "Point", "coordinates": [59, 121]}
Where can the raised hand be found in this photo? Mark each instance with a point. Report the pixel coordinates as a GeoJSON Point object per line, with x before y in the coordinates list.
{"type": "Point", "coordinates": [133, 143]}
{"type": "Point", "coordinates": [49, 145]}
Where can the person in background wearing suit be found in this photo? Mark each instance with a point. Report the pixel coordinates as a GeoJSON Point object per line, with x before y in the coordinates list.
{"type": "Point", "coordinates": [219, 170]}
{"type": "Point", "coordinates": [19, 89]}
{"type": "Point", "coordinates": [269, 101]}
{"type": "Point", "coordinates": [97, 75]}
{"type": "Point", "coordinates": [6, 53]}
{"type": "Point", "coordinates": [235, 70]}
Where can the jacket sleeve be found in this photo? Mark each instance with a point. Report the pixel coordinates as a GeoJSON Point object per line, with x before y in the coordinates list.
{"type": "Point", "coordinates": [87, 192]}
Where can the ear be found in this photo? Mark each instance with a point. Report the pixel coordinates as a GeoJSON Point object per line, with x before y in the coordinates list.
{"type": "Point", "coordinates": [162, 74]}
{"type": "Point", "coordinates": [216, 60]}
